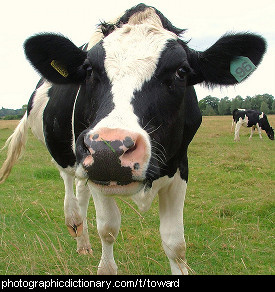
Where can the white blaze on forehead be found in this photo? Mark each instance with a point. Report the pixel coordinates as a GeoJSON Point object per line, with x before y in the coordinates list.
{"type": "Point", "coordinates": [132, 55]}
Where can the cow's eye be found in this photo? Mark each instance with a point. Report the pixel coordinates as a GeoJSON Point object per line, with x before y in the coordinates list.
{"type": "Point", "coordinates": [87, 66]}
{"type": "Point", "coordinates": [181, 73]}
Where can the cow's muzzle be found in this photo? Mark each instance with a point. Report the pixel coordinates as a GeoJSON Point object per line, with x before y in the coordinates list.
{"type": "Point", "coordinates": [113, 157]}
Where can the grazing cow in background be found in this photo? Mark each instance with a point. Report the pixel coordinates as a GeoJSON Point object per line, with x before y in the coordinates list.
{"type": "Point", "coordinates": [118, 115]}
{"type": "Point", "coordinates": [252, 119]}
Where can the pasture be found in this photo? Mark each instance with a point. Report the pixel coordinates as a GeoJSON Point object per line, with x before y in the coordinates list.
{"type": "Point", "coordinates": [228, 214]}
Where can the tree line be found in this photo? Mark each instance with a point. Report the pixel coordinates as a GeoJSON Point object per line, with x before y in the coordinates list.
{"type": "Point", "coordinates": [12, 114]}
{"type": "Point", "coordinates": [210, 106]}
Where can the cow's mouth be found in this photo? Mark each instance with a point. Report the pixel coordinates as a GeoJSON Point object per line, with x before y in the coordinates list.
{"type": "Point", "coordinates": [112, 183]}
{"type": "Point", "coordinates": [117, 187]}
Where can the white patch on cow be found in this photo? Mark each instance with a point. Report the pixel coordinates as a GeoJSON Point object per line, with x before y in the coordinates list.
{"type": "Point", "coordinates": [261, 115]}
{"type": "Point", "coordinates": [245, 121]}
{"type": "Point", "coordinates": [259, 131]}
{"type": "Point", "coordinates": [39, 103]}
{"type": "Point", "coordinates": [80, 172]}
{"type": "Point", "coordinates": [73, 133]}
{"type": "Point", "coordinates": [144, 199]}
{"type": "Point", "coordinates": [241, 122]}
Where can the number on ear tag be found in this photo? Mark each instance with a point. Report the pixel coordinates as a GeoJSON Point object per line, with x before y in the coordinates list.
{"type": "Point", "coordinates": [241, 67]}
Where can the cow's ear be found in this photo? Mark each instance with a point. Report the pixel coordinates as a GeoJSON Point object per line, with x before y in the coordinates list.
{"type": "Point", "coordinates": [229, 61]}
{"type": "Point", "coordinates": [56, 58]}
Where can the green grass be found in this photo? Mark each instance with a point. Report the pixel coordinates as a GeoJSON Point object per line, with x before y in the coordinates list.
{"type": "Point", "coordinates": [228, 214]}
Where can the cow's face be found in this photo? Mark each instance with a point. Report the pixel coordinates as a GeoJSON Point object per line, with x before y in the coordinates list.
{"type": "Point", "coordinates": [132, 118]}
{"type": "Point", "coordinates": [138, 123]}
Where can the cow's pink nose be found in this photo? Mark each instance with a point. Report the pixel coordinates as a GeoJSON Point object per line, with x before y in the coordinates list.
{"type": "Point", "coordinates": [115, 155]}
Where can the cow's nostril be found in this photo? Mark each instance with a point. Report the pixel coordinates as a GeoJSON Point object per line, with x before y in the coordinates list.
{"type": "Point", "coordinates": [130, 150]}
{"type": "Point", "coordinates": [128, 142]}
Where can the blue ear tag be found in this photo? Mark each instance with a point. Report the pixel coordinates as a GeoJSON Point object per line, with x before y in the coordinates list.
{"type": "Point", "coordinates": [241, 67]}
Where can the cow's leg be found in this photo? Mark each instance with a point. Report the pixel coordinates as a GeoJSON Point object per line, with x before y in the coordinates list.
{"type": "Point", "coordinates": [83, 195]}
{"type": "Point", "coordinates": [237, 131]}
{"type": "Point", "coordinates": [232, 125]}
{"type": "Point", "coordinates": [259, 131]}
{"type": "Point", "coordinates": [108, 223]}
{"type": "Point", "coordinates": [171, 201]}
{"type": "Point", "coordinates": [73, 218]}
{"type": "Point", "coordinates": [251, 133]}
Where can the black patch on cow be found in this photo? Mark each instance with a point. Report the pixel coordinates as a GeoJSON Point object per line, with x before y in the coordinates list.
{"type": "Point", "coordinates": [107, 28]}
{"type": "Point", "coordinates": [169, 112]}
{"type": "Point", "coordinates": [128, 142]}
{"type": "Point", "coordinates": [30, 103]}
{"type": "Point", "coordinates": [94, 101]}
{"type": "Point", "coordinates": [57, 123]}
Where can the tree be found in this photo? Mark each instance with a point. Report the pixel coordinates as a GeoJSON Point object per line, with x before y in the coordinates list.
{"type": "Point", "coordinates": [268, 98]}
{"type": "Point", "coordinates": [247, 103]}
{"type": "Point", "coordinates": [273, 107]}
{"type": "Point", "coordinates": [24, 108]}
{"type": "Point", "coordinates": [209, 111]}
{"type": "Point", "coordinates": [213, 102]}
{"type": "Point", "coordinates": [213, 106]}
{"type": "Point", "coordinates": [224, 106]}
{"type": "Point", "coordinates": [236, 103]}
{"type": "Point", "coordinates": [264, 107]}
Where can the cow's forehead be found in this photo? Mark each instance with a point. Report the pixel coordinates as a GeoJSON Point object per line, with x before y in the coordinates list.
{"type": "Point", "coordinates": [134, 51]}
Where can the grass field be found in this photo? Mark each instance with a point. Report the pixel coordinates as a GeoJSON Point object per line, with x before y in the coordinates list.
{"type": "Point", "coordinates": [228, 215]}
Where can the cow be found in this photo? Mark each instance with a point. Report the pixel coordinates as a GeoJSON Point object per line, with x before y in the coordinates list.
{"type": "Point", "coordinates": [251, 119]}
{"type": "Point", "coordinates": [117, 116]}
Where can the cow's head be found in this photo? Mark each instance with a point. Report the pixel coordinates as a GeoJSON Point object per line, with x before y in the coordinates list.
{"type": "Point", "coordinates": [136, 111]}
{"type": "Point", "coordinates": [270, 133]}
{"type": "Point", "coordinates": [264, 124]}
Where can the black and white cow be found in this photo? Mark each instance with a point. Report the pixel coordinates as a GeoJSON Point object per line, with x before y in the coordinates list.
{"type": "Point", "coordinates": [118, 115]}
{"type": "Point", "coordinates": [252, 119]}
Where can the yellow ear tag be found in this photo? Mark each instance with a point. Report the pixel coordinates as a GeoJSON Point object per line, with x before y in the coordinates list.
{"type": "Point", "coordinates": [59, 68]}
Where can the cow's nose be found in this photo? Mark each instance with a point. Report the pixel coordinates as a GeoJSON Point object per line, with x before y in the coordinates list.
{"type": "Point", "coordinates": [115, 155]}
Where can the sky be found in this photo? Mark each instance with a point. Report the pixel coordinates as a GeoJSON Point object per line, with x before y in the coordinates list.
{"type": "Point", "coordinates": [206, 22]}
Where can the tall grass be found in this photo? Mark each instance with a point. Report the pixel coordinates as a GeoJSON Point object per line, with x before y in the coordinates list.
{"type": "Point", "coordinates": [228, 214]}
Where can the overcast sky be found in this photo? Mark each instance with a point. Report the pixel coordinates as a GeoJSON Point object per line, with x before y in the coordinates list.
{"type": "Point", "coordinates": [206, 21]}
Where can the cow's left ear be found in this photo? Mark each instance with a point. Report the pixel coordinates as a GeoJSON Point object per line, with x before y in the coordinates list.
{"type": "Point", "coordinates": [229, 61]}
{"type": "Point", "coordinates": [56, 58]}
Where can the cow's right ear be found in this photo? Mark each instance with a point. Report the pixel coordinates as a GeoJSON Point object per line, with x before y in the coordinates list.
{"type": "Point", "coordinates": [56, 58]}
